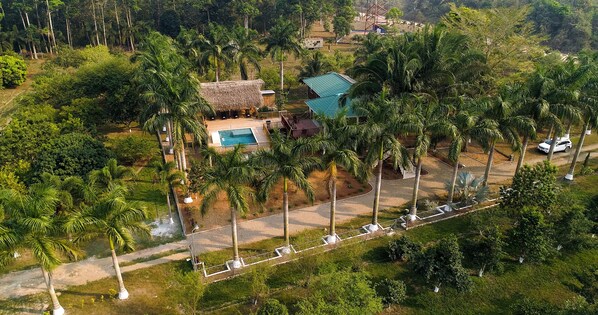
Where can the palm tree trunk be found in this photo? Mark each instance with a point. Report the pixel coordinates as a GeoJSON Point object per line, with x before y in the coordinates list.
{"type": "Point", "coordinates": [552, 146]}
{"type": "Point", "coordinates": [549, 135]}
{"type": "Point", "coordinates": [285, 215]}
{"type": "Point", "coordinates": [522, 153]}
{"type": "Point", "coordinates": [333, 208]}
{"type": "Point", "coordinates": [217, 69]}
{"type": "Point", "coordinates": [453, 182]}
{"type": "Point", "coordinates": [183, 157]}
{"type": "Point", "coordinates": [568, 133]}
{"type": "Point", "coordinates": [123, 294]}
{"type": "Point", "coordinates": [246, 23]}
{"type": "Point", "coordinates": [169, 206]}
{"type": "Point", "coordinates": [378, 186]}
{"type": "Point", "coordinates": [56, 307]}
{"type": "Point", "coordinates": [489, 164]}
{"type": "Point", "coordinates": [569, 175]}
{"type": "Point", "coordinates": [281, 65]}
{"type": "Point", "coordinates": [418, 171]}
{"type": "Point", "coordinates": [233, 220]}
{"type": "Point", "coordinates": [169, 134]}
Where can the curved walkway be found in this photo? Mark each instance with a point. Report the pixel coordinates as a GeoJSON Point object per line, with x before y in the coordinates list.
{"type": "Point", "coordinates": [394, 192]}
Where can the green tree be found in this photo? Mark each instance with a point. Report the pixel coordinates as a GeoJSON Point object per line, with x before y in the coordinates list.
{"type": "Point", "coordinates": [114, 217]}
{"type": "Point", "coordinates": [394, 15]}
{"type": "Point", "coordinates": [285, 161]}
{"type": "Point", "coordinates": [379, 136]}
{"type": "Point", "coordinates": [281, 40]}
{"type": "Point", "coordinates": [13, 71]}
{"type": "Point", "coordinates": [111, 174]}
{"type": "Point", "coordinates": [403, 249]}
{"type": "Point", "coordinates": [188, 290]}
{"type": "Point", "coordinates": [487, 250]}
{"type": "Point", "coordinates": [71, 154]}
{"type": "Point", "coordinates": [391, 291]}
{"type": "Point", "coordinates": [532, 186]}
{"type": "Point", "coordinates": [168, 176]}
{"type": "Point", "coordinates": [441, 265]}
{"type": "Point", "coordinates": [231, 174]}
{"type": "Point", "coordinates": [529, 237]}
{"type": "Point", "coordinates": [217, 48]}
{"type": "Point", "coordinates": [246, 51]}
{"type": "Point", "coordinates": [273, 307]}
{"type": "Point", "coordinates": [341, 292]}
{"type": "Point", "coordinates": [572, 229]}
{"type": "Point", "coordinates": [334, 141]}
{"type": "Point", "coordinates": [315, 64]}
{"type": "Point", "coordinates": [31, 223]}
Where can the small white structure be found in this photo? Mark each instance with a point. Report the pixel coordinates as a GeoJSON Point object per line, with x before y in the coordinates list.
{"type": "Point", "coordinates": [313, 43]}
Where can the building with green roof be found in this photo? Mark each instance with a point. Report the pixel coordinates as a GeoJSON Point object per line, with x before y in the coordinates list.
{"type": "Point", "coordinates": [325, 91]}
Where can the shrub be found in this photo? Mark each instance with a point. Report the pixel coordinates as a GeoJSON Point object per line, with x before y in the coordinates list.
{"type": "Point", "coordinates": [402, 249]}
{"type": "Point", "coordinates": [526, 306]}
{"type": "Point", "coordinates": [132, 148]}
{"type": "Point", "coordinates": [71, 154]}
{"type": "Point", "coordinates": [13, 71]}
{"type": "Point", "coordinates": [273, 307]}
{"type": "Point", "coordinates": [391, 291]}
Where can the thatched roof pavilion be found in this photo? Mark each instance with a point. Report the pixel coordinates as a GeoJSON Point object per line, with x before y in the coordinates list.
{"type": "Point", "coordinates": [233, 95]}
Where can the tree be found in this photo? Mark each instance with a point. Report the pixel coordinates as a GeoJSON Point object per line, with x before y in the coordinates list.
{"type": "Point", "coordinates": [114, 217]}
{"type": "Point", "coordinates": [391, 291]}
{"type": "Point", "coordinates": [529, 237]}
{"type": "Point", "coordinates": [71, 154]}
{"type": "Point", "coordinates": [168, 177]}
{"type": "Point", "coordinates": [441, 265]}
{"type": "Point", "coordinates": [341, 292]}
{"type": "Point", "coordinates": [188, 290]}
{"type": "Point", "coordinates": [572, 229]}
{"type": "Point", "coordinates": [273, 307]}
{"type": "Point", "coordinates": [246, 51]}
{"type": "Point", "coordinates": [13, 71]}
{"type": "Point", "coordinates": [588, 101]}
{"type": "Point", "coordinates": [532, 186]}
{"type": "Point", "coordinates": [217, 48]}
{"type": "Point", "coordinates": [281, 40]}
{"type": "Point", "coordinates": [334, 142]}
{"type": "Point", "coordinates": [111, 174]}
{"type": "Point", "coordinates": [315, 64]}
{"type": "Point", "coordinates": [487, 250]}
{"type": "Point", "coordinates": [394, 15]}
{"type": "Point", "coordinates": [378, 134]}
{"type": "Point", "coordinates": [133, 149]}
{"type": "Point", "coordinates": [231, 174]}
{"type": "Point", "coordinates": [31, 223]}
{"type": "Point", "coordinates": [285, 161]}
{"type": "Point", "coordinates": [343, 17]}
{"type": "Point", "coordinates": [403, 249]}
{"type": "Point", "coordinates": [426, 121]}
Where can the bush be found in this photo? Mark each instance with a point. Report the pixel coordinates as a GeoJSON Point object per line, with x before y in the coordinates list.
{"type": "Point", "coordinates": [526, 306]}
{"type": "Point", "coordinates": [13, 71]}
{"type": "Point", "coordinates": [402, 249]}
{"type": "Point", "coordinates": [71, 154]}
{"type": "Point", "coordinates": [130, 149]}
{"type": "Point", "coordinates": [391, 291]}
{"type": "Point", "coordinates": [273, 307]}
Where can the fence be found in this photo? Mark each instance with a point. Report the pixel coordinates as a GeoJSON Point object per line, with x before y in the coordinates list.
{"type": "Point", "coordinates": [315, 245]}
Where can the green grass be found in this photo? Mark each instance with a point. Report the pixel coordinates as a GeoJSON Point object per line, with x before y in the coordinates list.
{"type": "Point", "coordinates": [9, 97]}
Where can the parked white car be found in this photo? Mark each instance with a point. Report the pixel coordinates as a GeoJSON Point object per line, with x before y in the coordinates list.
{"type": "Point", "coordinates": [562, 145]}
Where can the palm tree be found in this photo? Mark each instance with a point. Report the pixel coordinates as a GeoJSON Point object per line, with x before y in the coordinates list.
{"type": "Point", "coordinates": [115, 218]}
{"type": "Point", "coordinates": [112, 173]}
{"type": "Point", "coordinates": [334, 142]}
{"type": "Point", "coordinates": [168, 177]}
{"type": "Point", "coordinates": [231, 174]}
{"type": "Point", "coordinates": [379, 135]}
{"type": "Point", "coordinates": [285, 161]}
{"type": "Point", "coordinates": [503, 116]}
{"type": "Point", "coordinates": [426, 120]}
{"type": "Point", "coordinates": [282, 39]}
{"type": "Point", "coordinates": [314, 64]}
{"type": "Point", "coordinates": [468, 127]}
{"type": "Point", "coordinates": [172, 92]}
{"type": "Point", "coordinates": [217, 48]}
{"type": "Point", "coordinates": [588, 102]}
{"type": "Point", "coordinates": [71, 190]}
{"type": "Point", "coordinates": [31, 223]}
{"type": "Point", "coordinates": [246, 52]}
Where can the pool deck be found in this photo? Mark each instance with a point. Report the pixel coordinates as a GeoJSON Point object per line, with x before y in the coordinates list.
{"type": "Point", "coordinates": [257, 125]}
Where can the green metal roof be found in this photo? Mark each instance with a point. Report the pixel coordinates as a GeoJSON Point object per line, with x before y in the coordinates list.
{"type": "Point", "coordinates": [328, 84]}
{"type": "Point", "coordinates": [328, 106]}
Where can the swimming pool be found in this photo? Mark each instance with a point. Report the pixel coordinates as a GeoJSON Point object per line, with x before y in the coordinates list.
{"type": "Point", "coordinates": [232, 137]}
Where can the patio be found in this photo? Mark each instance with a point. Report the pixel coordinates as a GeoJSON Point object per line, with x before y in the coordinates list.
{"type": "Point", "coordinates": [256, 125]}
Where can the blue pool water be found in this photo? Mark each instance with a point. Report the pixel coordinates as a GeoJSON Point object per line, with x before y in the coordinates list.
{"type": "Point", "coordinates": [231, 137]}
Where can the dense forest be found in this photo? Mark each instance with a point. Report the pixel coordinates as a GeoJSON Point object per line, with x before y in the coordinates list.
{"type": "Point", "coordinates": [35, 26]}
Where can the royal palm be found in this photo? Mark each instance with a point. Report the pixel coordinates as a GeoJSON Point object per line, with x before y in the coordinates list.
{"type": "Point", "coordinates": [281, 40]}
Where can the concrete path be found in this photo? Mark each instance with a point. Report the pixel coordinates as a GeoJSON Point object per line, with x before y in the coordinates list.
{"type": "Point", "coordinates": [394, 192]}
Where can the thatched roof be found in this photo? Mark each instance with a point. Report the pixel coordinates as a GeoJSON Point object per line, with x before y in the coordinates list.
{"type": "Point", "coordinates": [233, 95]}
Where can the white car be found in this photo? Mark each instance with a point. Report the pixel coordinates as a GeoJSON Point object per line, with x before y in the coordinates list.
{"type": "Point", "coordinates": [562, 145]}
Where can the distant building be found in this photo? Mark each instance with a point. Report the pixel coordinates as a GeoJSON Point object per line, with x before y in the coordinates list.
{"type": "Point", "coordinates": [313, 43]}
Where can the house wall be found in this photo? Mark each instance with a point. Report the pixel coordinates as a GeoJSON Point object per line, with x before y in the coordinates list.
{"type": "Point", "coordinates": [269, 100]}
